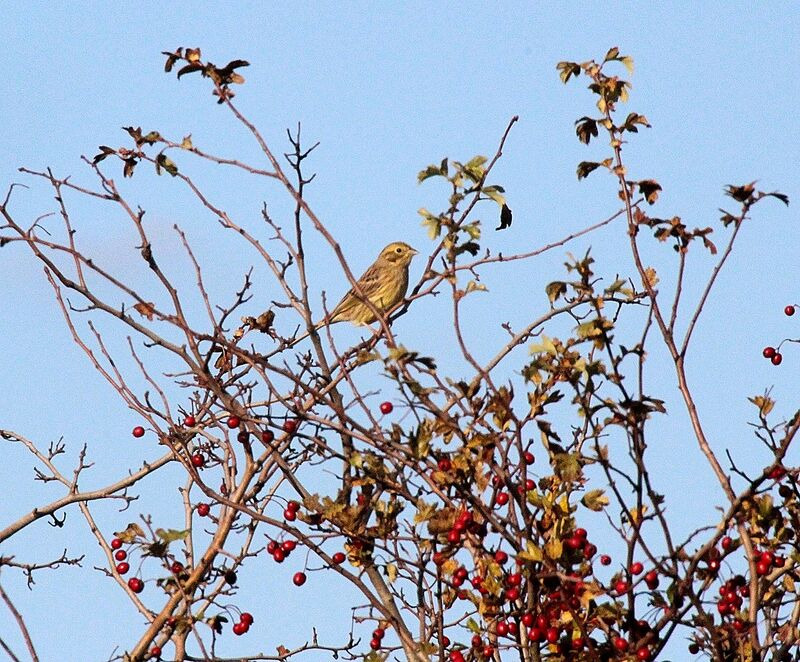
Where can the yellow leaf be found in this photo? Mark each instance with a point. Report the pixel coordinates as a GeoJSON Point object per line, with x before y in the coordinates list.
{"type": "Point", "coordinates": [650, 278]}
{"type": "Point", "coordinates": [554, 548]}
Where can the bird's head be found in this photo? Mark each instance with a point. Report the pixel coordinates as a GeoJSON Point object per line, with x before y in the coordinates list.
{"type": "Point", "coordinates": [397, 253]}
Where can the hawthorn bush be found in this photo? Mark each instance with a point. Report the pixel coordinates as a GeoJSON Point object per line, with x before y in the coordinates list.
{"type": "Point", "coordinates": [472, 514]}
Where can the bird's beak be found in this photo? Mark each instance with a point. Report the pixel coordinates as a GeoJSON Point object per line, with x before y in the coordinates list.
{"type": "Point", "coordinates": [414, 251]}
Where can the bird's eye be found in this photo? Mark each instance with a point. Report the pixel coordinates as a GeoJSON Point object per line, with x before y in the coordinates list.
{"type": "Point", "coordinates": [399, 249]}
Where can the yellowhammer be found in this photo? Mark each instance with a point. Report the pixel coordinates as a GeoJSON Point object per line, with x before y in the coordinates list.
{"type": "Point", "coordinates": [384, 285]}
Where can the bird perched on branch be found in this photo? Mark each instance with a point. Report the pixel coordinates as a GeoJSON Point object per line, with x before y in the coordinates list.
{"type": "Point", "coordinates": [384, 285]}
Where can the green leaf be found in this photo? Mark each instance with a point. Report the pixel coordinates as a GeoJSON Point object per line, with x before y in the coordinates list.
{"type": "Point", "coordinates": [567, 70]}
{"type": "Point", "coordinates": [163, 161]}
{"type": "Point", "coordinates": [544, 346]}
{"type": "Point", "coordinates": [595, 500]}
{"type": "Point", "coordinates": [433, 171]}
{"type": "Point", "coordinates": [432, 222]}
{"type": "Point", "coordinates": [495, 193]}
{"type": "Point", "coordinates": [171, 535]}
{"type": "Point", "coordinates": [531, 553]}
{"type": "Point", "coordinates": [627, 60]}
{"type": "Point", "coordinates": [555, 290]}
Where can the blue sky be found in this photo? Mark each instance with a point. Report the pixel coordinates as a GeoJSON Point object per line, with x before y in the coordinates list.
{"type": "Point", "coordinates": [387, 89]}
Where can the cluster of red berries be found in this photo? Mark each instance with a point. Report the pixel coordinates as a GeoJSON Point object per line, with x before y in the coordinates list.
{"type": "Point", "coordinates": [281, 550]}
{"type": "Point", "coordinates": [245, 621]}
{"type": "Point", "coordinates": [731, 595]}
{"type": "Point", "coordinates": [290, 514]}
{"type": "Point", "coordinates": [772, 353]}
{"type": "Point", "coordinates": [377, 638]}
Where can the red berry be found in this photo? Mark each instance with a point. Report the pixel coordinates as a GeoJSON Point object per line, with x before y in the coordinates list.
{"type": "Point", "coordinates": [605, 559]}
{"type": "Point", "coordinates": [636, 568]}
{"type": "Point", "coordinates": [279, 555]}
{"type": "Point", "coordinates": [621, 586]}
{"type": "Point", "coordinates": [651, 579]}
{"type": "Point", "coordinates": [189, 421]}
{"type": "Point", "coordinates": [299, 578]}
{"type": "Point", "coordinates": [488, 652]}
{"type": "Point", "coordinates": [502, 499]}
{"type": "Point", "coordinates": [694, 649]}
{"type": "Point", "coordinates": [116, 543]}
{"type": "Point", "coordinates": [338, 558]}
{"type": "Point", "coordinates": [378, 633]}
{"type": "Point", "coordinates": [529, 484]}
{"type": "Point", "coordinates": [293, 505]}
{"type": "Point", "coordinates": [581, 533]}
{"type": "Point", "coordinates": [290, 425]}
{"type": "Point", "coordinates": [762, 568]}
{"type": "Point", "coordinates": [233, 422]}
{"type": "Point", "coordinates": [457, 656]}
{"type": "Point", "coordinates": [267, 436]}
{"type": "Point", "coordinates": [203, 509]}
{"type": "Point", "coordinates": [529, 458]}
{"type": "Point", "coordinates": [643, 653]}
{"type": "Point", "coordinates": [789, 310]}
{"type": "Point", "coordinates": [198, 460]}
{"type": "Point", "coordinates": [514, 579]}
{"type": "Point", "coordinates": [120, 555]}
{"type": "Point", "coordinates": [444, 464]}
{"type": "Point", "coordinates": [138, 431]}
{"type": "Point", "coordinates": [620, 643]}
{"type": "Point", "coordinates": [500, 556]}
{"type": "Point", "coordinates": [135, 584]}
{"type": "Point", "coordinates": [439, 558]}
{"type": "Point", "coordinates": [155, 651]}
{"type": "Point", "coordinates": [477, 642]}
{"type": "Point", "coordinates": [727, 542]}
{"type": "Point", "coordinates": [453, 536]}
{"type": "Point", "coordinates": [386, 407]}
{"type": "Point", "coordinates": [289, 515]}
{"type": "Point", "coordinates": [512, 594]}
{"type": "Point", "coordinates": [776, 360]}
{"type": "Point", "coordinates": [176, 567]}
{"type": "Point", "coordinates": [768, 352]}
{"type": "Point", "coordinates": [502, 629]}
{"type": "Point", "coordinates": [551, 634]}
{"type": "Point", "coordinates": [272, 545]}
{"type": "Point", "coordinates": [766, 557]}
{"type": "Point", "coordinates": [240, 628]}
{"type": "Point", "coordinates": [589, 550]}
{"type": "Point", "coordinates": [122, 568]}
{"type": "Point", "coordinates": [243, 437]}
{"type": "Point", "coordinates": [535, 634]}
{"type": "Point", "coordinates": [246, 617]}
{"type": "Point", "coordinates": [375, 644]}
{"type": "Point", "coordinates": [288, 545]}
{"type": "Point", "coordinates": [574, 542]}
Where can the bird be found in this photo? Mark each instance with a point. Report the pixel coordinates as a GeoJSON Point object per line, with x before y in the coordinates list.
{"type": "Point", "coordinates": [383, 284]}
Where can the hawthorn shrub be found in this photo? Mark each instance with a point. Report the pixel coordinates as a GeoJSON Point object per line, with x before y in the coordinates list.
{"type": "Point", "coordinates": [473, 515]}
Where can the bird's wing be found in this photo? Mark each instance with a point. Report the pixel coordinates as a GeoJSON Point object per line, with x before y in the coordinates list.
{"type": "Point", "coordinates": [368, 284]}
